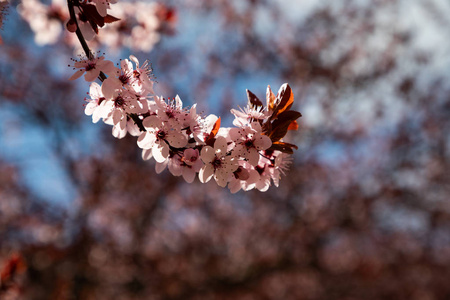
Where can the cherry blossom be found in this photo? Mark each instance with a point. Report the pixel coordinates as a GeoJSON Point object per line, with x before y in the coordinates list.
{"type": "Point", "coordinates": [218, 163]}
{"type": "Point", "coordinates": [186, 164]}
{"type": "Point", "coordinates": [248, 115]}
{"type": "Point", "coordinates": [119, 104]}
{"type": "Point", "coordinates": [159, 137]}
{"type": "Point", "coordinates": [127, 78]}
{"type": "Point", "coordinates": [270, 167]}
{"type": "Point", "coordinates": [94, 106]}
{"type": "Point", "coordinates": [201, 128]}
{"type": "Point", "coordinates": [186, 143]}
{"type": "Point", "coordinates": [279, 166]}
{"type": "Point", "coordinates": [248, 141]}
{"type": "Point", "coordinates": [92, 67]}
{"type": "Point", "coordinates": [245, 177]}
{"type": "Point", "coordinates": [142, 82]}
{"type": "Point", "coordinates": [172, 112]}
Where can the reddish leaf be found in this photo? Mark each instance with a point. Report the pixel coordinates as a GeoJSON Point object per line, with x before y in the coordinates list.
{"type": "Point", "coordinates": [91, 13]}
{"type": "Point", "coordinates": [293, 126]}
{"type": "Point", "coordinates": [270, 98]}
{"type": "Point", "coordinates": [253, 100]}
{"type": "Point", "coordinates": [283, 147]}
{"type": "Point", "coordinates": [110, 19]}
{"type": "Point", "coordinates": [211, 137]}
{"type": "Point", "coordinates": [286, 97]}
{"type": "Point", "coordinates": [281, 124]}
{"type": "Point", "coordinates": [267, 128]}
{"type": "Point", "coordinates": [216, 127]}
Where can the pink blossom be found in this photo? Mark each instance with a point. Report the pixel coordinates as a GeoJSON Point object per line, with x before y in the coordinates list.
{"type": "Point", "coordinates": [218, 163]}
{"type": "Point", "coordinates": [120, 79]}
{"type": "Point", "coordinates": [245, 177]}
{"type": "Point", "coordinates": [248, 115]}
{"type": "Point", "coordinates": [191, 164]}
{"type": "Point", "coordinates": [199, 127]}
{"type": "Point", "coordinates": [185, 164]}
{"type": "Point", "coordinates": [248, 141]}
{"type": "Point", "coordinates": [119, 104]}
{"type": "Point", "coordinates": [94, 106]}
{"type": "Point", "coordinates": [159, 137]}
{"type": "Point", "coordinates": [270, 167]}
{"type": "Point", "coordinates": [279, 166]}
{"type": "Point", "coordinates": [92, 68]}
{"type": "Point", "coordinates": [142, 82]}
{"type": "Point", "coordinates": [172, 112]}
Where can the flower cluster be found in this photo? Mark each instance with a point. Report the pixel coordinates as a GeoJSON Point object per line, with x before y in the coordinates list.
{"type": "Point", "coordinates": [250, 155]}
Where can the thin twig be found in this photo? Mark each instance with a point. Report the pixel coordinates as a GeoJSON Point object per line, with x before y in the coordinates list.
{"type": "Point", "coordinates": [89, 55]}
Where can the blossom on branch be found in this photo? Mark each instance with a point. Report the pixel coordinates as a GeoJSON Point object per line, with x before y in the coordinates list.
{"type": "Point", "coordinates": [160, 137]}
{"type": "Point", "coordinates": [251, 155]}
{"type": "Point", "coordinates": [218, 163]}
{"type": "Point", "coordinates": [248, 141]}
{"type": "Point", "coordinates": [92, 67]}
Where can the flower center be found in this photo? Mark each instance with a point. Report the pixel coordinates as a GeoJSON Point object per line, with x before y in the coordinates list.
{"type": "Point", "coordinates": [161, 134]}
{"type": "Point", "coordinates": [249, 144]}
{"type": "Point", "coordinates": [170, 113]}
{"type": "Point", "coordinates": [217, 163]}
{"type": "Point", "coordinates": [119, 102]}
{"type": "Point", "coordinates": [241, 173]}
{"type": "Point", "coordinates": [259, 169]}
{"type": "Point", "coordinates": [90, 66]}
{"type": "Point", "coordinates": [100, 100]}
{"type": "Point", "coordinates": [124, 79]}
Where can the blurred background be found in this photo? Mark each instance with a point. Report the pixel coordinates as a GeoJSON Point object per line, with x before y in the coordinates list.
{"type": "Point", "coordinates": [363, 212]}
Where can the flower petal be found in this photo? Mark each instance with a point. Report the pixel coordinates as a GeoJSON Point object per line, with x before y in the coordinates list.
{"type": "Point", "coordinates": [176, 139]}
{"type": "Point", "coordinates": [220, 145]}
{"type": "Point", "coordinates": [91, 75]}
{"type": "Point", "coordinates": [161, 166]}
{"type": "Point", "coordinates": [147, 154]}
{"type": "Point", "coordinates": [188, 174]}
{"type": "Point", "coordinates": [152, 122]}
{"type": "Point", "coordinates": [253, 157]}
{"type": "Point", "coordinates": [206, 173]}
{"type": "Point", "coordinates": [160, 153]}
{"type": "Point", "coordinates": [207, 154]}
{"type": "Point", "coordinates": [76, 75]}
{"type": "Point", "coordinates": [221, 178]}
{"type": "Point", "coordinates": [118, 132]}
{"type": "Point", "coordinates": [146, 140]}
